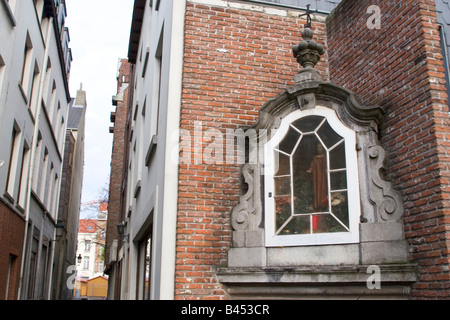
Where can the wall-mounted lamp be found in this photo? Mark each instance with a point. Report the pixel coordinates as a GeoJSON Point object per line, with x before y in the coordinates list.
{"type": "Point", "coordinates": [79, 258]}
{"type": "Point", "coordinates": [121, 230]}
{"type": "Point", "coordinates": [59, 227]}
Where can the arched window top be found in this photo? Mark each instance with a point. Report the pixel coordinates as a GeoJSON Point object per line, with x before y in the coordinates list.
{"type": "Point", "coordinates": [311, 181]}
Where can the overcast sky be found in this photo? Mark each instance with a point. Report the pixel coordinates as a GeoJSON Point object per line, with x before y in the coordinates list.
{"type": "Point", "coordinates": [99, 33]}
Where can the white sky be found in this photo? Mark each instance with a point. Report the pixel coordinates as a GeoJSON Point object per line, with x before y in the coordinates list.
{"type": "Point", "coordinates": [99, 33]}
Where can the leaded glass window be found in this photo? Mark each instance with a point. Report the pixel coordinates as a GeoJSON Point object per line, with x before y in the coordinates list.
{"type": "Point", "coordinates": [308, 181]}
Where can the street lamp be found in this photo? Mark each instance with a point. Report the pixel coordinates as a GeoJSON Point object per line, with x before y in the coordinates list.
{"type": "Point", "coordinates": [121, 230]}
{"type": "Point", "coordinates": [79, 258]}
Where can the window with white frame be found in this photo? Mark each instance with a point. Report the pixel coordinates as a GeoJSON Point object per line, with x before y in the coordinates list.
{"type": "Point", "coordinates": [87, 245]}
{"type": "Point", "coordinates": [13, 160]}
{"type": "Point", "coordinates": [27, 66]}
{"type": "Point", "coordinates": [311, 181]}
{"type": "Point", "coordinates": [86, 263]}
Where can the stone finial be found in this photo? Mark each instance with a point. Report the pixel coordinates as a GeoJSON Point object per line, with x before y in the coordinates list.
{"type": "Point", "coordinates": [308, 54]}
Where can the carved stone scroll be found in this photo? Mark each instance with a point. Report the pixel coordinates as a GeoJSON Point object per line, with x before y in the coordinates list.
{"type": "Point", "coordinates": [247, 215]}
{"type": "Point", "coordinates": [388, 202]}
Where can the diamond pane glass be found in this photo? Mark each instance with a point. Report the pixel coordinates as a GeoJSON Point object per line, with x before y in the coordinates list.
{"type": "Point", "coordinates": [311, 180]}
{"type": "Point", "coordinates": [337, 157]}
{"type": "Point", "coordinates": [289, 142]}
{"type": "Point", "coordinates": [308, 124]}
{"type": "Point", "coordinates": [328, 135]}
{"type": "Point", "coordinates": [297, 225]}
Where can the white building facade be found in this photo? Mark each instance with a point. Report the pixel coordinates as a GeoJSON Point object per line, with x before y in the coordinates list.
{"type": "Point", "coordinates": [91, 238]}
{"type": "Point", "coordinates": [157, 51]}
{"type": "Point", "coordinates": [34, 99]}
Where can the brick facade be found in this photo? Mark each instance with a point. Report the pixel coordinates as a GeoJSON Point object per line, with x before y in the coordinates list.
{"type": "Point", "coordinates": [235, 59]}
{"type": "Point", "coordinates": [12, 230]}
{"type": "Point", "coordinates": [403, 72]}
{"type": "Point", "coordinates": [117, 187]}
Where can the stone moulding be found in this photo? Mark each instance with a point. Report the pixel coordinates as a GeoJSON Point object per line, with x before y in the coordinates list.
{"type": "Point", "coordinates": [306, 95]}
{"type": "Point", "coordinates": [319, 282]}
{"type": "Point", "coordinates": [381, 203]}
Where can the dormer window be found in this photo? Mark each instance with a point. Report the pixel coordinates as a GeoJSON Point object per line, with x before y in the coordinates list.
{"type": "Point", "coordinates": [311, 181]}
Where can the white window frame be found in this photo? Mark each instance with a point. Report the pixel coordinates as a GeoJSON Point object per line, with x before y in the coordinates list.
{"type": "Point", "coordinates": [354, 206]}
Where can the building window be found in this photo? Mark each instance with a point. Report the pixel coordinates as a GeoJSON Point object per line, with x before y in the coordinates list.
{"type": "Point", "coordinates": [144, 268]}
{"type": "Point", "coordinates": [23, 182]}
{"type": "Point", "coordinates": [26, 69]}
{"type": "Point", "coordinates": [33, 264]}
{"type": "Point", "coordinates": [9, 6]}
{"type": "Point", "coordinates": [311, 181]}
{"type": "Point", "coordinates": [2, 72]}
{"type": "Point", "coordinates": [37, 163]}
{"type": "Point", "coordinates": [49, 191]}
{"type": "Point", "coordinates": [85, 263]}
{"type": "Point", "coordinates": [11, 277]}
{"type": "Point", "coordinates": [39, 6]}
{"type": "Point", "coordinates": [43, 175]}
{"type": "Point", "coordinates": [100, 266]}
{"type": "Point", "coordinates": [33, 102]}
{"type": "Point", "coordinates": [157, 78]}
{"type": "Point", "coordinates": [13, 161]}
{"type": "Point", "coordinates": [87, 245]}
{"type": "Point", "coordinates": [53, 204]}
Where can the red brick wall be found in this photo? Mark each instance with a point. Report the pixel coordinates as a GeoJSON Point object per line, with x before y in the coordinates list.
{"type": "Point", "coordinates": [400, 67]}
{"type": "Point", "coordinates": [12, 231]}
{"type": "Point", "coordinates": [118, 160]}
{"type": "Point", "coordinates": [234, 61]}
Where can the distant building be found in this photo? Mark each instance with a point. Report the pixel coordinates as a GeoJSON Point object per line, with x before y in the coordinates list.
{"type": "Point", "coordinates": [70, 198]}
{"type": "Point", "coordinates": [121, 131]}
{"type": "Point", "coordinates": [35, 61]}
{"type": "Point", "coordinates": [90, 250]}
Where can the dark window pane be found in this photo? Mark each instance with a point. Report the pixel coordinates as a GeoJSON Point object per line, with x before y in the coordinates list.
{"type": "Point", "coordinates": [339, 206]}
{"type": "Point", "coordinates": [308, 124]}
{"type": "Point", "coordinates": [298, 225]}
{"type": "Point", "coordinates": [310, 176]}
{"type": "Point", "coordinates": [283, 164]}
{"type": "Point", "coordinates": [338, 180]}
{"type": "Point", "coordinates": [328, 135]}
{"type": "Point", "coordinates": [326, 223]}
{"type": "Point", "coordinates": [282, 186]}
{"type": "Point", "coordinates": [337, 157]}
{"type": "Point", "coordinates": [290, 141]}
{"type": "Point", "coordinates": [283, 210]}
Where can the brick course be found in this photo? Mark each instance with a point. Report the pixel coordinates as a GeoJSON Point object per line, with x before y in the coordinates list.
{"type": "Point", "coordinates": [403, 72]}
{"type": "Point", "coordinates": [235, 60]}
